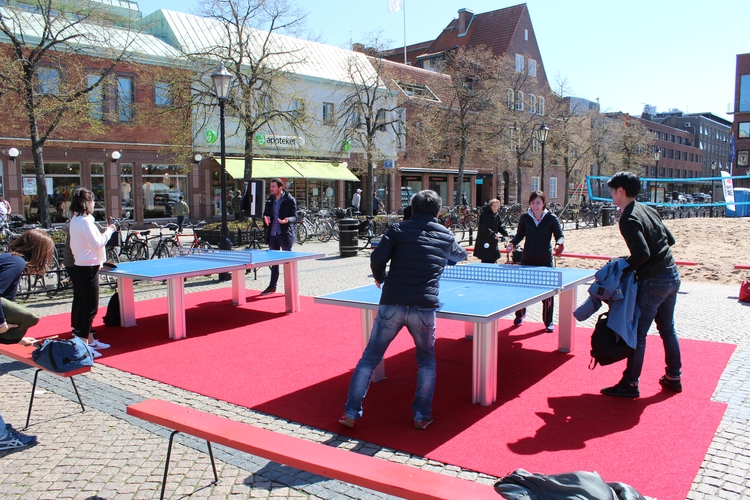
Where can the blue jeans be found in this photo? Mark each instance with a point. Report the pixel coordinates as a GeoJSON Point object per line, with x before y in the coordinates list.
{"type": "Point", "coordinates": [390, 319]}
{"type": "Point", "coordinates": [276, 242]}
{"type": "Point", "coordinates": [656, 298]}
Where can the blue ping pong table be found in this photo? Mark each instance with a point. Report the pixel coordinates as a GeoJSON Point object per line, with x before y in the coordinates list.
{"type": "Point", "coordinates": [199, 262]}
{"type": "Point", "coordinates": [479, 294]}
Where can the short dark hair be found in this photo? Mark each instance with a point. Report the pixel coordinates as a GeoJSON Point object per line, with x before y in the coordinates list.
{"type": "Point", "coordinates": [278, 182]}
{"type": "Point", "coordinates": [426, 202]}
{"type": "Point", "coordinates": [537, 194]}
{"type": "Point", "coordinates": [80, 198]}
{"type": "Point", "coordinates": [182, 197]}
{"type": "Point", "coordinates": [626, 180]}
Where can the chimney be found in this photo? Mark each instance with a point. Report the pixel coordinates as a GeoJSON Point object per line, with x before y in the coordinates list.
{"type": "Point", "coordinates": [464, 17]}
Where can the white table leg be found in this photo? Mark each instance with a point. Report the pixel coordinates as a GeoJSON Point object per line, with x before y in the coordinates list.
{"type": "Point", "coordinates": [291, 287]}
{"type": "Point", "coordinates": [238, 287]}
{"type": "Point", "coordinates": [176, 312]}
{"type": "Point", "coordinates": [368, 318]}
{"type": "Point", "coordinates": [484, 364]}
{"type": "Point", "coordinates": [127, 301]}
{"type": "Point", "coordinates": [566, 341]}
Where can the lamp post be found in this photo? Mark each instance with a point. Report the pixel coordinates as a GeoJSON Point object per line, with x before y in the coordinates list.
{"type": "Point", "coordinates": [657, 157]}
{"type": "Point", "coordinates": [713, 174]}
{"type": "Point", "coordinates": [222, 79]}
{"type": "Point", "coordinates": [13, 154]}
{"type": "Point", "coordinates": [541, 136]}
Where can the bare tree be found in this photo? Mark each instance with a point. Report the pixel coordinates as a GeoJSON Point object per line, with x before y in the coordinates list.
{"type": "Point", "coordinates": [571, 143]}
{"type": "Point", "coordinates": [45, 69]}
{"type": "Point", "coordinates": [467, 121]}
{"type": "Point", "coordinates": [523, 112]}
{"type": "Point", "coordinates": [370, 108]}
{"type": "Point", "coordinates": [263, 61]}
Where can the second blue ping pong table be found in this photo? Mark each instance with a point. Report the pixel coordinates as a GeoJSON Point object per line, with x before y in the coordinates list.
{"type": "Point", "coordinates": [480, 294]}
{"type": "Point", "coordinates": [199, 262]}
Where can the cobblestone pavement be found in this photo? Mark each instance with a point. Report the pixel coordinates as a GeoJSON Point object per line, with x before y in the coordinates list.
{"type": "Point", "coordinates": [104, 453]}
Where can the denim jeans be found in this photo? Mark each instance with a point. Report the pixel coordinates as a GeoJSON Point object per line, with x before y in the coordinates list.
{"type": "Point", "coordinates": [656, 298]}
{"type": "Point", "coordinates": [390, 319]}
{"type": "Point", "coordinates": [276, 242]}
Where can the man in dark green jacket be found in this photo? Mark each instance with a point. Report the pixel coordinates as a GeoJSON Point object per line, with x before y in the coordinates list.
{"type": "Point", "coordinates": [649, 242]}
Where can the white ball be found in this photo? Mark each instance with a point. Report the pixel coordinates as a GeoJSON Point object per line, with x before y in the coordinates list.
{"type": "Point", "coordinates": [486, 245]}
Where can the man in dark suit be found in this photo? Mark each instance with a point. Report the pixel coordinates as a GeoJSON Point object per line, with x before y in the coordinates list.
{"type": "Point", "coordinates": [279, 215]}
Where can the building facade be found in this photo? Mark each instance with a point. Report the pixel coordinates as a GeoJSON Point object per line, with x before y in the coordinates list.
{"type": "Point", "coordinates": [741, 123]}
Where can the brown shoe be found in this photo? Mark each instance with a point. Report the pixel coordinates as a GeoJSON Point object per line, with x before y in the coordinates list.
{"type": "Point", "coordinates": [422, 424]}
{"type": "Point", "coordinates": [347, 421]}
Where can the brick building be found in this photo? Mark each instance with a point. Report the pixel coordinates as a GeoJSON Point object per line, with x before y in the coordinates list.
{"type": "Point", "coordinates": [741, 123]}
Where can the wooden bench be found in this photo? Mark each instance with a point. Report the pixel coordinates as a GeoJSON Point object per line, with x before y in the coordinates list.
{"type": "Point", "coordinates": [335, 463]}
{"type": "Point", "coordinates": [22, 353]}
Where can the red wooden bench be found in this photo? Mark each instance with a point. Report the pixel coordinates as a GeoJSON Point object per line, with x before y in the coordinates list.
{"type": "Point", "coordinates": [388, 477]}
{"type": "Point", "coordinates": [22, 353]}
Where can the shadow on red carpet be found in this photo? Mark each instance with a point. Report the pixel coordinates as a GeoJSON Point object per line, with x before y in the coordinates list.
{"type": "Point", "coordinates": [549, 416]}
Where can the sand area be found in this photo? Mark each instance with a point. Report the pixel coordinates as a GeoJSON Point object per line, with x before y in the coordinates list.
{"type": "Point", "coordinates": [716, 244]}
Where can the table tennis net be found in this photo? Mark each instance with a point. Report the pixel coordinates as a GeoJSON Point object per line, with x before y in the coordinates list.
{"type": "Point", "coordinates": [212, 254]}
{"type": "Point", "coordinates": [505, 274]}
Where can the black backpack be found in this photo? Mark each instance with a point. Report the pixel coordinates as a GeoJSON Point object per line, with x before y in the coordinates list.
{"type": "Point", "coordinates": [112, 316]}
{"type": "Point", "coordinates": [62, 355]}
{"type": "Point", "coordinates": [606, 346]}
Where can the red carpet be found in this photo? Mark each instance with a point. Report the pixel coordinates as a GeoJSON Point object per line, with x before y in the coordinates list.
{"type": "Point", "coordinates": [549, 416]}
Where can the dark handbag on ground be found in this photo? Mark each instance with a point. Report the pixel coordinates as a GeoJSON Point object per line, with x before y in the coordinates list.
{"type": "Point", "coordinates": [606, 346]}
{"type": "Point", "coordinates": [112, 316]}
{"type": "Point", "coordinates": [62, 355]}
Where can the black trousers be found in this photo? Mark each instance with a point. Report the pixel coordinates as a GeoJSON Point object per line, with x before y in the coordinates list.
{"type": "Point", "coordinates": [85, 281]}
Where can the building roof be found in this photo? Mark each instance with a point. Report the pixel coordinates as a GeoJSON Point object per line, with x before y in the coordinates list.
{"type": "Point", "coordinates": [402, 73]}
{"type": "Point", "coordinates": [493, 29]}
{"type": "Point", "coordinates": [194, 34]}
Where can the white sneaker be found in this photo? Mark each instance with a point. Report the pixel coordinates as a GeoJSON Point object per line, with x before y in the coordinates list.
{"type": "Point", "coordinates": [97, 344]}
{"type": "Point", "coordinates": [94, 354]}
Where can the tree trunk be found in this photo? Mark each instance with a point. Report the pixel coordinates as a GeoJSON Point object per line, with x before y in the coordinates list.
{"type": "Point", "coordinates": [249, 149]}
{"type": "Point", "coordinates": [367, 195]}
{"type": "Point", "coordinates": [519, 184]}
{"type": "Point", "coordinates": [461, 167]}
{"type": "Point", "coordinates": [37, 151]}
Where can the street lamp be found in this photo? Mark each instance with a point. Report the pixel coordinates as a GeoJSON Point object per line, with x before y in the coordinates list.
{"type": "Point", "coordinates": [115, 155]}
{"type": "Point", "coordinates": [541, 136]}
{"type": "Point", "coordinates": [222, 79]}
{"type": "Point", "coordinates": [657, 157]}
{"type": "Point", "coordinates": [13, 153]}
{"type": "Point", "coordinates": [713, 174]}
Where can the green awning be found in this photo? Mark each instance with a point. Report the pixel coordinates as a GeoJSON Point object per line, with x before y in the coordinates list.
{"type": "Point", "coordinates": [269, 169]}
{"type": "Point", "coordinates": [324, 170]}
{"type": "Point", "coordinates": [262, 169]}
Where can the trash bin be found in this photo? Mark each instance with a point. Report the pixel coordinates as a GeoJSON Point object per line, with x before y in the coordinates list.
{"type": "Point", "coordinates": [348, 244]}
{"type": "Point", "coordinates": [607, 216]}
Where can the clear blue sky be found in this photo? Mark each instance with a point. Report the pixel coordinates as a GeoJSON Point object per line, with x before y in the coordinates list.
{"type": "Point", "coordinates": [666, 53]}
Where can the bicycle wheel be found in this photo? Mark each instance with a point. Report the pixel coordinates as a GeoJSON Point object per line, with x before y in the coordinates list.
{"type": "Point", "coordinates": [162, 250]}
{"type": "Point", "coordinates": [300, 232]}
{"type": "Point", "coordinates": [324, 231]}
{"type": "Point", "coordinates": [335, 230]}
{"type": "Point", "coordinates": [115, 259]}
{"type": "Point", "coordinates": [138, 251]}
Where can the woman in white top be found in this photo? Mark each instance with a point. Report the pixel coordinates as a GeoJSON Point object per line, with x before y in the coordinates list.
{"type": "Point", "coordinates": [87, 243]}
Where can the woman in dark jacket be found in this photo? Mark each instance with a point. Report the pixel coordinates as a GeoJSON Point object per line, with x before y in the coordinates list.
{"type": "Point", "coordinates": [489, 230]}
{"type": "Point", "coordinates": [538, 226]}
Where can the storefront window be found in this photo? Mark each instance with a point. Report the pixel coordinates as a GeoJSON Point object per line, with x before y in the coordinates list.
{"type": "Point", "coordinates": [162, 187]}
{"type": "Point", "coordinates": [62, 179]}
{"type": "Point", "coordinates": [97, 187]}
{"type": "Point", "coordinates": [440, 186]}
{"type": "Point", "coordinates": [126, 188]}
{"type": "Point", "coordinates": [466, 190]}
{"type": "Point", "coordinates": [410, 184]}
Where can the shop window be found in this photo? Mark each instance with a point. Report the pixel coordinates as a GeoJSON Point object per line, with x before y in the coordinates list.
{"type": "Point", "coordinates": [126, 189]}
{"type": "Point", "coordinates": [162, 187]}
{"type": "Point", "coordinates": [62, 180]}
{"type": "Point", "coordinates": [97, 188]}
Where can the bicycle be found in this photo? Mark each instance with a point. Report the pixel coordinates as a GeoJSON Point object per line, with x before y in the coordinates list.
{"type": "Point", "coordinates": [195, 240]}
{"type": "Point", "coordinates": [162, 247]}
{"type": "Point", "coordinates": [451, 221]}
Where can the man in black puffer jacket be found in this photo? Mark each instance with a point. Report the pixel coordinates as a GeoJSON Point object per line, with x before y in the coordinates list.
{"type": "Point", "coordinates": [418, 250]}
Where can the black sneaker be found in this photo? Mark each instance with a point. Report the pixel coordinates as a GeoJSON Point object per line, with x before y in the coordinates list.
{"type": "Point", "coordinates": [672, 385]}
{"type": "Point", "coordinates": [269, 290]}
{"type": "Point", "coordinates": [622, 390]}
